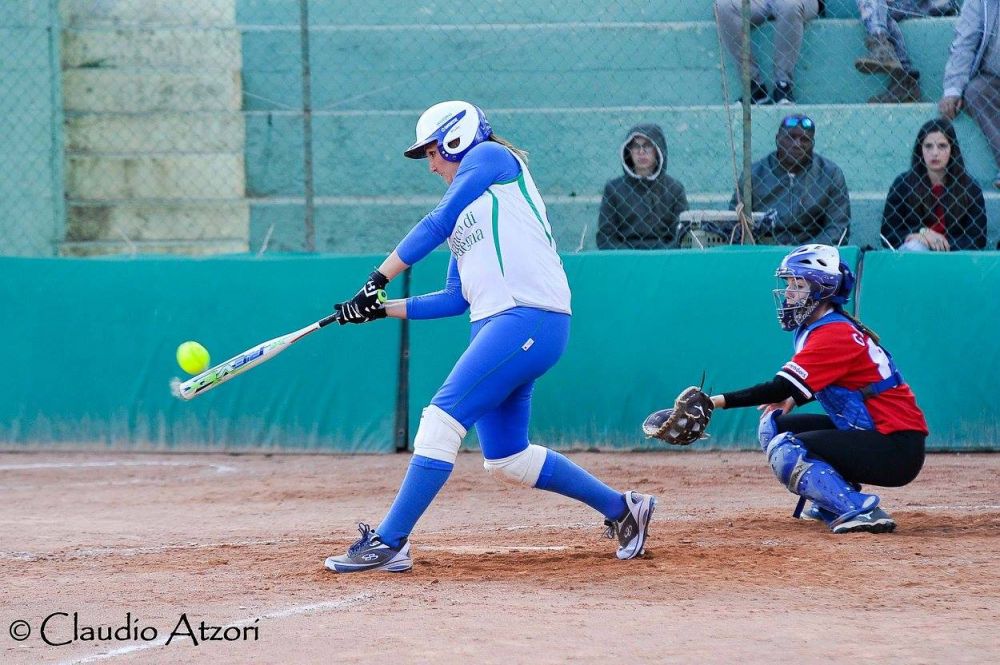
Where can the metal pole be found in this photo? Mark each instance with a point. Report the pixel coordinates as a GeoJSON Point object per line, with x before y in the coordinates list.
{"type": "Point", "coordinates": [747, 157]}
{"type": "Point", "coordinates": [307, 142]}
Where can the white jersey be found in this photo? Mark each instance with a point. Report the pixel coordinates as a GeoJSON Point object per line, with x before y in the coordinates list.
{"type": "Point", "coordinates": [506, 256]}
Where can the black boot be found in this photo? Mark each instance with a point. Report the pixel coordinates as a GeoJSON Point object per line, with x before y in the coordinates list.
{"type": "Point", "coordinates": [758, 94]}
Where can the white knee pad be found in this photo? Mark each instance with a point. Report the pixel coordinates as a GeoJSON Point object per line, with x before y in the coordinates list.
{"type": "Point", "coordinates": [439, 436]}
{"type": "Point", "coordinates": [521, 468]}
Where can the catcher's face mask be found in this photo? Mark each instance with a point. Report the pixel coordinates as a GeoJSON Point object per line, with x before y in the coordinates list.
{"type": "Point", "coordinates": [811, 274]}
{"type": "Point", "coordinates": [795, 301]}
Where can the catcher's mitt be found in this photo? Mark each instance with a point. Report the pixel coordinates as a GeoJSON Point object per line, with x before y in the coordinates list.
{"type": "Point", "coordinates": [685, 423]}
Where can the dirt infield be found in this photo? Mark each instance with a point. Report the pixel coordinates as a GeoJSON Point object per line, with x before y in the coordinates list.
{"type": "Point", "coordinates": [145, 546]}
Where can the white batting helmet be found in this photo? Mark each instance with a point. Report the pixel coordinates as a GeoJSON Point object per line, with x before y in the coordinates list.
{"type": "Point", "coordinates": [455, 126]}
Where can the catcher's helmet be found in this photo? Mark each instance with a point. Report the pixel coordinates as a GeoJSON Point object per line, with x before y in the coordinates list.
{"type": "Point", "coordinates": [827, 277]}
{"type": "Point", "coordinates": [455, 126]}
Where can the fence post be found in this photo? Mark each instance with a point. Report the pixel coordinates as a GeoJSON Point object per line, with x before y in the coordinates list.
{"type": "Point", "coordinates": [745, 78]}
{"type": "Point", "coordinates": [307, 142]}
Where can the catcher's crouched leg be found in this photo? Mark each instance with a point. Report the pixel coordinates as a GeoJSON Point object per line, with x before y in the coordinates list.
{"type": "Point", "coordinates": [815, 479]}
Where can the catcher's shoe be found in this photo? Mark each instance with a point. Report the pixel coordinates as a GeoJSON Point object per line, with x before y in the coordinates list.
{"type": "Point", "coordinates": [370, 553]}
{"type": "Point", "coordinates": [874, 521]}
{"type": "Point", "coordinates": [815, 512]}
{"type": "Point", "coordinates": [631, 530]}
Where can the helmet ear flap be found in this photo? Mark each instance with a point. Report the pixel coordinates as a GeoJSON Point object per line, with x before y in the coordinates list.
{"type": "Point", "coordinates": [847, 280]}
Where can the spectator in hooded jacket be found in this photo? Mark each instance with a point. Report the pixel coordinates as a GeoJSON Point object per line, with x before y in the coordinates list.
{"type": "Point", "coordinates": [935, 205]}
{"type": "Point", "coordinates": [640, 209]}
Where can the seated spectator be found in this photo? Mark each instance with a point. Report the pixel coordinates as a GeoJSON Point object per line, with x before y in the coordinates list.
{"type": "Point", "coordinates": [806, 192]}
{"type": "Point", "coordinates": [935, 206]}
{"type": "Point", "coordinates": [973, 72]}
{"type": "Point", "coordinates": [901, 10]}
{"type": "Point", "coordinates": [789, 18]}
{"type": "Point", "coordinates": [887, 53]}
{"type": "Point", "coordinates": [640, 209]}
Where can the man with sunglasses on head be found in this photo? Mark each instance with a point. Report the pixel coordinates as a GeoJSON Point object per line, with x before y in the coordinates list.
{"type": "Point", "coordinates": [805, 192]}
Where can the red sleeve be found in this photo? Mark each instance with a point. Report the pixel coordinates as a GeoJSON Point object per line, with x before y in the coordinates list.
{"type": "Point", "coordinates": [827, 354]}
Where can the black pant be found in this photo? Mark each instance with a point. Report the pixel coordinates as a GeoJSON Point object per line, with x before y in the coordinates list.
{"type": "Point", "coordinates": [866, 457]}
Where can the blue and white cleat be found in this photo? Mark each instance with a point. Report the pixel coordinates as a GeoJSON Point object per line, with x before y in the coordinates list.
{"type": "Point", "coordinates": [874, 521]}
{"type": "Point", "coordinates": [370, 553]}
{"type": "Point", "coordinates": [631, 530]}
{"type": "Point", "coordinates": [814, 512]}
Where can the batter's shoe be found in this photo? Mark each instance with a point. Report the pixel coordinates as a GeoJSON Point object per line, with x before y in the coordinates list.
{"type": "Point", "coordinates": [370, 553]}
{"type": "Point", "coordinates": [631, 530]}
{"type": "Point", "coordinates": [874, 521]}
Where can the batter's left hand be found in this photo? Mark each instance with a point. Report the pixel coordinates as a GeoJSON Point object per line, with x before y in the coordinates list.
{"type": "Point", "coordinates": [367, 303]}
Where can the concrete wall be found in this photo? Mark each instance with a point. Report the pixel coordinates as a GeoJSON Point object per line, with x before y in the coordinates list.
{"type": "Point", "coordinates": [154, 133]}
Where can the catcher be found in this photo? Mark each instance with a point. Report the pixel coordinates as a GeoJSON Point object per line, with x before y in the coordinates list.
{"type": "Point", "coordinates": [873, 432]}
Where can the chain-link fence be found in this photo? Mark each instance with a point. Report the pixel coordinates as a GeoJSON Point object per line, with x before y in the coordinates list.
{"type": "Point", "coordinates": [233, 126]}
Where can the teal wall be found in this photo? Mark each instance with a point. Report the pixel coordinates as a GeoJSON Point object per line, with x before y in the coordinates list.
{"type": "Point", "coordinates": [686, 313]}
{"type": "Point", "coordinates": [31, 192]}
{"type": "Point", "coordinates": [90, 348]}
{"type": "Point", "coordinates": [940, 319]}
{"type": "Point", "coordinates": [91, 352]}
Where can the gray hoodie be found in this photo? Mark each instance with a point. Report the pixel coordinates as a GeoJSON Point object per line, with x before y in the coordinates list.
{"type": "Point", "coordinates": [976, 45]}
{"type": "Point", "coordinates": [641, 212]}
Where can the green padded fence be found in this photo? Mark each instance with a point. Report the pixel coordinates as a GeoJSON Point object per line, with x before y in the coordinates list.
{"type": "Point", "coordinates": [939, 316]}
{"type": "Point", "coordinates": [90, 350]}
{"type": "Point", "coordinates": [645, 325]}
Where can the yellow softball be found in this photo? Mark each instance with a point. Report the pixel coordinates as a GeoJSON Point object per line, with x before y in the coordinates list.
{"type": "Point", "coordinates": [192, 357]}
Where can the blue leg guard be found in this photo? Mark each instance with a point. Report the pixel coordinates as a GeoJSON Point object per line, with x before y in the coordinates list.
{"type": "Point", "coordinates": [768, 428]}
{"type": "Point", "coordinates": [815, 479]}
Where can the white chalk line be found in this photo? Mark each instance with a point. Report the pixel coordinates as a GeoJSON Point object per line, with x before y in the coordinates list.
{"type": "Point", "coordinates": [561, 527]}
{"type": "Point", "coordinates": [295, 610]}
{"type": "Point", "coordinates": [917, 506]}
{"type": "Point", "coordinates": [98, 552]}
{"type": "Point", "coordinates": [219, 468]}
{"type": "Point", "coordinates": [490, 549]}
{"type": "Point", "coordinates": [138, 551]}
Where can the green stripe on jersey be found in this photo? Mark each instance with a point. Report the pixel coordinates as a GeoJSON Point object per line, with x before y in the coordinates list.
{"type": "Point", "coordinates": [496, 228]}
{"type": "Point", "coordinates": [524, 192]}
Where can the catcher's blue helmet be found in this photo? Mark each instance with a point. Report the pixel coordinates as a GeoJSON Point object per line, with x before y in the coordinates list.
{"type": "Point", "coordinates": [827, 277]}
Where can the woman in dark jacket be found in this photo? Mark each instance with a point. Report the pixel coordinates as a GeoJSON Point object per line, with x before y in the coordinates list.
{"type": "Point", "coordinates": [936, 205]}
{"type": "Point", "coordinates": [640, 209]}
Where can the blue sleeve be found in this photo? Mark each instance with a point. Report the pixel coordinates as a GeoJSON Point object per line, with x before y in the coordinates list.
{"type": "Point", "coordinates": [485, 164]}
{"type": "Point", "coordinates": [438, 305]}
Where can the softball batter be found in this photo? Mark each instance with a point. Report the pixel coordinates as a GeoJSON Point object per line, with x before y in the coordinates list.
{"type": "Point", "coordinates": [505, 269]}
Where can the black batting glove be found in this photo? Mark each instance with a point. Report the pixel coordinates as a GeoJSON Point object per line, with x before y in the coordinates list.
{"type": "Point", "coordinates": [366, 305]}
